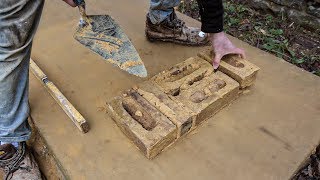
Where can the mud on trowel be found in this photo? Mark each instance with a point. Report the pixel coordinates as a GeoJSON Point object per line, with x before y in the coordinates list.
{"type": "Point", "coordinates": [103, 35]}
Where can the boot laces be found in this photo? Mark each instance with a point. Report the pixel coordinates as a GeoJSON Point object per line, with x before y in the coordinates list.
{"type": "Point", "coordinates": [10, 167]}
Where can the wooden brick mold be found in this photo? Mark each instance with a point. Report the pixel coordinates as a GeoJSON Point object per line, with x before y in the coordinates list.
{"type": "Point", "coordinates": [147, 127]}
{"type": "Point", "coordinates": [181, 116]}
{"type": "Point", "coordinates": [157, 112]}
{"type": "Point", "coordinates": [193, 84]}
{"type": "Point", "coordinates": [210, 95]}
{"type": "Point", "coordinates": [241, 70]}
{"type": "Point", "coordinates": [180, 76]}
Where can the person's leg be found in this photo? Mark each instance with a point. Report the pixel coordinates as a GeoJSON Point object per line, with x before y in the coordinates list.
{"type": "Point", "coordinates": [161, 10]}
{"type": "Point", "coordinates": [162, 24]}
{"type": "Point", "coordinates": [18, 23]}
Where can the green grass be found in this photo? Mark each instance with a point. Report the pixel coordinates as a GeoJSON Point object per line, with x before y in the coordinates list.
{"type": "Point", "coordinates": [265, 32]}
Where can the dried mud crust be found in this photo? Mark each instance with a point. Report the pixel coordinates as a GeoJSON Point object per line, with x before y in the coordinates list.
{"type": "Point", "coordinates": [311, 170]}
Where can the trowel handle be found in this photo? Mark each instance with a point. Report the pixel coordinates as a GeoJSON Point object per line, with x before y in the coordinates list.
{"type": "Point", "coordinates": [82, 9]}
{"type": "Point", "coordinates": [79, 2]}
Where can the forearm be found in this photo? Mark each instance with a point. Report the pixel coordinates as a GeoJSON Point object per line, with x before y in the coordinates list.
{"type": "Point", "coordinates": [211, 12]}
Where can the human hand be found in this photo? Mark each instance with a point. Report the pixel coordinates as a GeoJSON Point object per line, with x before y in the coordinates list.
{"type": "Point", "coordinates": [70, 2]}
{"type": "Point", "coordinates": [221, 46]}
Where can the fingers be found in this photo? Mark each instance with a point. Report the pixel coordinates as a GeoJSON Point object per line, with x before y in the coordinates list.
{"type": "Point", "coordinates": [216, 61]}
{"type": "Point", "coordinates": [217, 58]}
{"type": "Point", "coordinates": [241, 53]}
{"type": "Point", "coordinates": [70, 2]}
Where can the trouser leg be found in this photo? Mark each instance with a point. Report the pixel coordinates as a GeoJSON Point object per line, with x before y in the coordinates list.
{"type": "Point", "coordinates": [161, 9]}
{"type": "Point", "coordinates": [18, 23]}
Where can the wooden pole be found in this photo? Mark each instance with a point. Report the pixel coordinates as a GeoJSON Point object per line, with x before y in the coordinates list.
{"type": "Point", "coordinates": [67, 107]}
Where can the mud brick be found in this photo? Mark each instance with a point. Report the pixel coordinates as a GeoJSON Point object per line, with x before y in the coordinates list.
{"type": "Point", "coordinates": [210, 95]}
{"type": "Point", "coordinates": [181, 116]}
{"type": "Point", "coordinates": [179, 76]}
{"type": "Point", "coordinates": [239, 69]}
{"type": "Point", "coordinates": [147, 127]}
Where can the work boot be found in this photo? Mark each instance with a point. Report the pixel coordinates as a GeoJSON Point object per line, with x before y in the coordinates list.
{"type": "Point", "coordinates": [174, 30]}
{"type": "Point", "coordinates": [18, 164]}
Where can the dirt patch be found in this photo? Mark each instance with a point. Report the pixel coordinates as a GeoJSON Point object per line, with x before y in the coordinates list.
{"type": "Point", "coordinates": [273, 33]}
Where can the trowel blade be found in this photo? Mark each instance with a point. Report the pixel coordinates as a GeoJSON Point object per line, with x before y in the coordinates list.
{"type": "Point", "coordinates": [105, 37]}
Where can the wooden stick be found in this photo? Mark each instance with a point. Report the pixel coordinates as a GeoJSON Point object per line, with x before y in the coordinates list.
{"type": "Point", "coordinates": [68, 108]}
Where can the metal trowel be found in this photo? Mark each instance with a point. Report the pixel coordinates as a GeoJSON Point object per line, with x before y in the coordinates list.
{"type": "Point", "coordinates": [103, 35]}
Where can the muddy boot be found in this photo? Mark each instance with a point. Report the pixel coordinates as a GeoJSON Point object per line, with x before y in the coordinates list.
{"type": "Point", "coordinates": [174, 30]}
{"type": "Point", "coordinates": [18, 164]}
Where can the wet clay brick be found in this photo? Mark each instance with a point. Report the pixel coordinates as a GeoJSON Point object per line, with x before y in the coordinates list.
{"type": "Point", "coordinates": [210, 95]}
{"type": "Point", "coordinates": [187, 72]}
{"type": "Point", "coordinates": [239, 69]}
{"type": "Point", "coordinates": [147, 127]}
{"type": "Point", "coordinates": [181, 116]}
